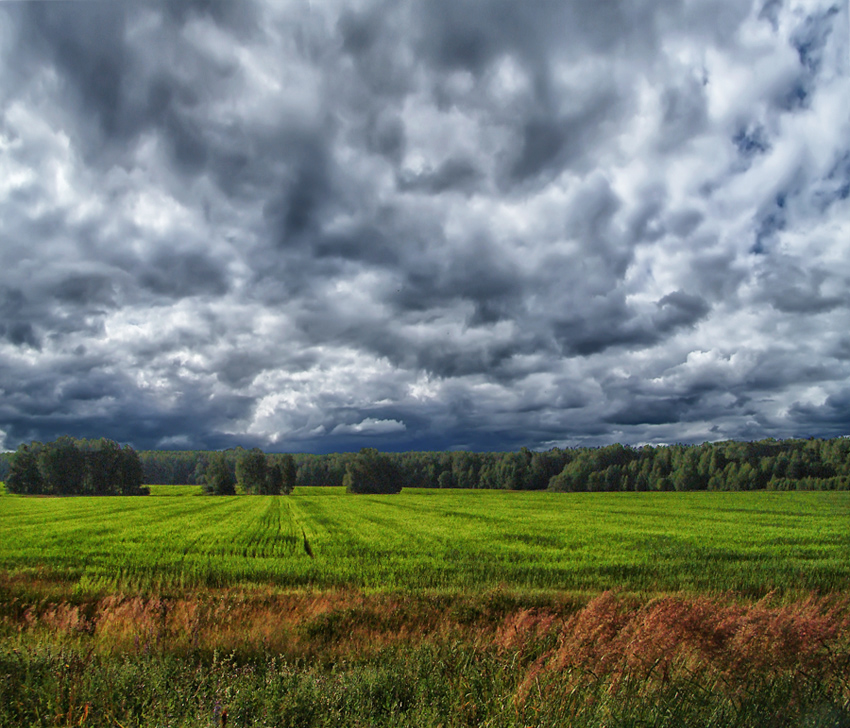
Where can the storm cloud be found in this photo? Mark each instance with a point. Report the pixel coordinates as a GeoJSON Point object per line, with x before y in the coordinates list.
{"type": "Point", "coordinates": [409, 225]}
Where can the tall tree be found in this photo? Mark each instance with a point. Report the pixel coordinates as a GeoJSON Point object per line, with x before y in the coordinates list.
{"type": "Point", "coordinates": [63, 467]}
{"type": "Point", "coordinates": [130, 473]}
{"type": "Point", "coordinates": [24, 475]}
{"type": "Point", "coordinates": [103, 463]}
{"type": "Point", "coordinates": [274, 480]}
{"type": "Point", "coordinates": [372, 472]}
{"type": "Point", "coordinates": [218, 480]}
{"type": "Point", "coordinates": [252, 472]}
{"type": "Point", "coordinates": [288, 474]}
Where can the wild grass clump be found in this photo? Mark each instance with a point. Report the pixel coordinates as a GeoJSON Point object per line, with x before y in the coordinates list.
{"type": "Point", "coordinates": [334, 659]}
{"type": "Point", "coordinates": [757, 662]}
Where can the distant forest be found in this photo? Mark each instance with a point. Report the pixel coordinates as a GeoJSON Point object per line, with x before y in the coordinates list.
{"type": "Point", "coordinates": [766, 464]}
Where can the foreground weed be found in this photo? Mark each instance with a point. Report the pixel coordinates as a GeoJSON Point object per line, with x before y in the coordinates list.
{"type": "Point", "coordinates": [350, 659]}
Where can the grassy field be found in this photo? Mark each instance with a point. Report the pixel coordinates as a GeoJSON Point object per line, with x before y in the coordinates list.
{"type": "Point", "coordinates": [749, 543]}
{"type": "Point", "coordinates": [427, 608]}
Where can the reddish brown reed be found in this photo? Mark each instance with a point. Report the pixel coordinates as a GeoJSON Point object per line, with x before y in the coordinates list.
{"type": "Point", "coordinates": [729, 644]}
{"type": "Point", "coordinates": [610, 635]}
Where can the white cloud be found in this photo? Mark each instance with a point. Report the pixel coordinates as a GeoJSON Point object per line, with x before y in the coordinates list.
{"type": "Point", "coordinates": [370, 426]}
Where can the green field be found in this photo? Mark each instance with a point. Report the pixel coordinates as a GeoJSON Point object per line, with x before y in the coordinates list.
{"type": "Point", "coordinates": [176, 539]}
{"type": "Point", "coordinates": [427, 608]}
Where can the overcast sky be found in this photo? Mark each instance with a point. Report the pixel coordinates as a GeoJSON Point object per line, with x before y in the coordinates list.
{"type": "Point", "coordinates": [318, 226]}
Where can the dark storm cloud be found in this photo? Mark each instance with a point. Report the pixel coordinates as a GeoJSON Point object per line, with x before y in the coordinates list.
{"type": "Point", "coordinates": [751, 141]}
{"type": "Point", "coordinates": [80, 395]}
{"type": "Point", "coordinates": [114, 88]}
{"type": "Point", "coordinates": [239, 18]}
{"type": "Point", "coordinates": [679, 309]}
{"type": "Point", "coordinates": [548, 144]}
{"type": "Point", "coordinates": [651, 412]}
{"type": "Point", "coordinates": [87, 47]}
{"type": "Point", "coordinates": [835, 186]}
{"type": "Point", "coordinates": [684, 113]}
{"type": "Point", "coordinates": [82, 289]}
{"type": "Point", "coordinates": [470, 35]}
{"type": "Point", "coordinates": [608, 323]}
{"type": "Point", "coordinates": [829, 419]}
{"type": "Point", "coordinates": [414, 225]}
{"type": "Point", "coordinates": [475, 273]}
{"type": "Point", "coordinates": [458, 175]}
{"type": "Point", "coordinates": [797, 290]}
{"type": "Point", "coordinates": [177, 275]}
{"type": "Point", "coordinates": [13, 311]}
{"type": "Point", "coordinates": [296, 209]}
{"type": "Point", "coordinates": [809, 40]}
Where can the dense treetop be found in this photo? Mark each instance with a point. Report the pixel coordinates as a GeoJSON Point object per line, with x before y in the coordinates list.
{"type": "Point", "coordinates": [75, 467]}
{"type": "Point", "coordinates": [372, 472]}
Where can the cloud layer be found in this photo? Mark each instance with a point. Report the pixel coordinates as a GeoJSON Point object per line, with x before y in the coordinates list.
{"type": "Point", "coordinates": [319, 226]}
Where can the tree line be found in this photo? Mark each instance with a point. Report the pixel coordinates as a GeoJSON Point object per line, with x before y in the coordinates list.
{"type": "Point", "coordinates": [794, 464]}
{"type": "Point", "coordinates": [68, 466]}
{"type": "Point", "coordinates": [811, 464]}
{"type": "Point", "coordinates": [372, 470]}
{"type": "Point", "coordinates": [766, 464]}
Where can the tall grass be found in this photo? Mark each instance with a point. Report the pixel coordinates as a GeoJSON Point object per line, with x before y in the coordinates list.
{"type": "Point", "coordinates": [499, 659]}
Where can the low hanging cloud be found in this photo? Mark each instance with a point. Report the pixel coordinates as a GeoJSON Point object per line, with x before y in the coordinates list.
{"type": "Point", "coordinates": [322, 226]}
{"type": "Point", "coordinates": [370, 426]}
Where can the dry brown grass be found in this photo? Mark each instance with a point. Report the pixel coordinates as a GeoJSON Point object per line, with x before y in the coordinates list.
{"type": "Point", "coordinates": [609, 635]}
{"type": "Point", "coordinates": [710, 643]}
{"type": "Point", "coordinates": [558, 648]}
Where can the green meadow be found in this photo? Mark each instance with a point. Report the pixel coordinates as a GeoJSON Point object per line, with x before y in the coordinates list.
{"type": "Point", "coordinates": [749, 543]}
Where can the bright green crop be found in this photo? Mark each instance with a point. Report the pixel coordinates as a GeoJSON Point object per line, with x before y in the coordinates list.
{"type": "Point", "coordinates": [748, 543]}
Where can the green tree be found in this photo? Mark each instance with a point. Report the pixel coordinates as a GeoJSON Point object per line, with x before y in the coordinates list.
{"type": "Point", "coordinates": [218, 480]}
{"type": "Point", "coordinates": [511, 470]}
{"type": "Point", "coordinates": [198, 475]}
{"type": "Point", "coordinates": [463, 470]}
{"type": "Point", "coordinates": [76, 467]}
{"type": "Point", "coordinates": [686, 475]}
{"type": "Point", "coordinates": [796, 469]}
{"type": "Point", "coordinates": [372, 472]}
{"type": "Point", "coordinates": [63, 467]}
{"type": "Point", "coordinates": [288, 473]}
{"type": "Point", "coordinates": [746, 477]}
{"type": "Point", "coordinates": [274, 480]}
{"type": "Point", "coordinates": [574, 477]}
{"type": "Point", "coordinates": [24, 475]}
{"type": "Point", "coordinates": [252, 472]}
{"type": "Point", "coordinates": [542, 466]}
{"type": "Point", "coordinates": [130, 473]}
{"type": "Point", "coordinates": [104, 459]}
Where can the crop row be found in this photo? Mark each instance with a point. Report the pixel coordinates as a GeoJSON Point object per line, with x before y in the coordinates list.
{"type": "Point", "coordinates": [749, 543]}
